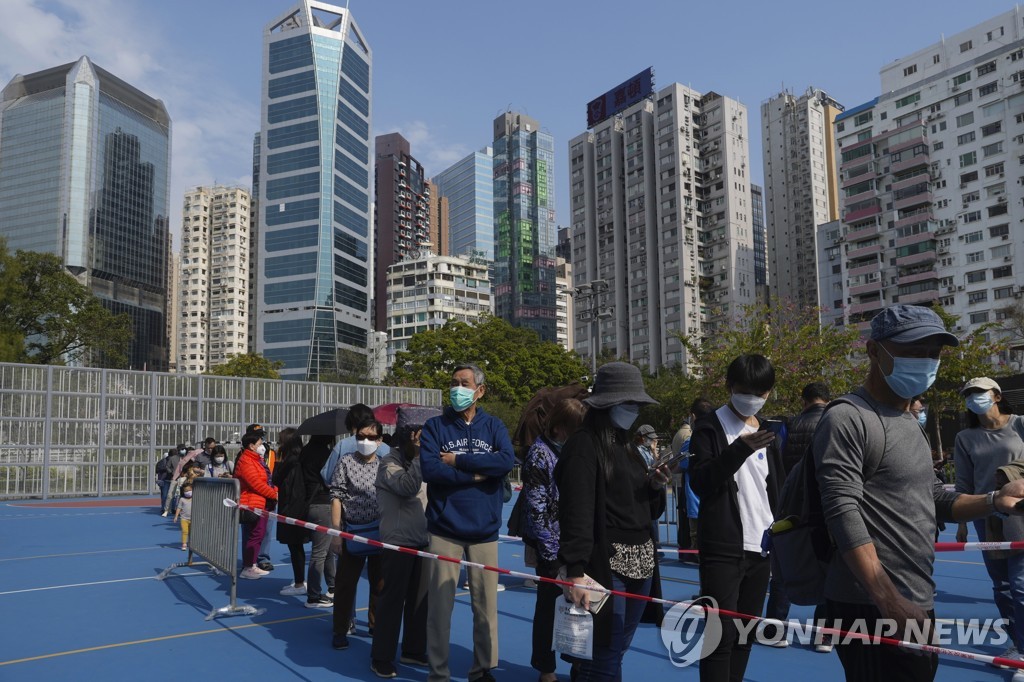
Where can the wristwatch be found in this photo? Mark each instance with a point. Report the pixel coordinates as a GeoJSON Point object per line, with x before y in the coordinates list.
{"type": "Point", "coordinates": [990, 498]}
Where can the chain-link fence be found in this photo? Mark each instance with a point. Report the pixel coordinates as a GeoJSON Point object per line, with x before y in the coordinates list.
{"type": "Point", "coordinates": [73, 431]}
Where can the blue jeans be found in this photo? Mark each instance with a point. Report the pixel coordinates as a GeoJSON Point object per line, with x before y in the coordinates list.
{"type": "Point", "coordinates": [264, 554]}
{"type": "Point", "coordinates": [607, 662]}
{"type": "Point", "coordinates": [1007, 588]}
{"type": "Point", "coordinates": [165, 486]}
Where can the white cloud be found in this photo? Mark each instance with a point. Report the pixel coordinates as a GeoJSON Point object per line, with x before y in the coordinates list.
{"type": "Point", "coordinates": [428, 146]}
{"type": "Point", "coordinates": [211, 136]}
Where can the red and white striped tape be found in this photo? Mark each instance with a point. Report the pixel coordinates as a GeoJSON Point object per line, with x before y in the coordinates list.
{"type": "Point", "coordinates": [847, 635]}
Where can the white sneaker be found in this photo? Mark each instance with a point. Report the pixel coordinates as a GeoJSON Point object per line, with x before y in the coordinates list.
{"type": "Point", "coordinates": [529, 583]}
{"type": "Point", "coordinates": [825, 647]}
{"type": "Point", "coordinates": [1010, 653]}
{"type": "Point", "coordinates": [1018, 676]}
{"type": "Point", "coordinates": [250, 574]}
{"type": "Point", "coordinates": [164, 515]}
{"type": "Point", "coordinates": [501, 588]}
{"type": "Point", "coordinates": [292, 590]}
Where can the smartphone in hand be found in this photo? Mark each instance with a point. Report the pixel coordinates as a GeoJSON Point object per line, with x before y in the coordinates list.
{"type": "Point", "coordinates": [773, 425]}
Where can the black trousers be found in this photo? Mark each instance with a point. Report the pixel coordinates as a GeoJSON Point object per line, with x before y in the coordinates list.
{"type": "Point", "coordinates": [864, 662]}
{"type": "Point", "coordinates": [737, 585]}
{"type": "Point", "coordinates": [402, 599]}
{"type": "Point", "coordinates": [543, 658]}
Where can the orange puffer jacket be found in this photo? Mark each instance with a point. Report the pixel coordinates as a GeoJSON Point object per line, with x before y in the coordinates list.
{"type": "Point", "coordinates": [252, 475]}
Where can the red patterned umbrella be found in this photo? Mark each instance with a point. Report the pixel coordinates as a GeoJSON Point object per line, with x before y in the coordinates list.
{"type": "Point", "coordinates": [388, 413]}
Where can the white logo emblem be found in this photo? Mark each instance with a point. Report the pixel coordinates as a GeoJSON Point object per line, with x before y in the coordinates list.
{"type": "Point", "coordinates": [690, 632]}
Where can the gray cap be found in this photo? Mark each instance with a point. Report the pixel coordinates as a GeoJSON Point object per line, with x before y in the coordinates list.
{"type": "Point", "coordinates": [617, 383]}
{"type": "Point", "coordinates": [909, 324]}
{"type": "Point", "coordinates": [647, 431]}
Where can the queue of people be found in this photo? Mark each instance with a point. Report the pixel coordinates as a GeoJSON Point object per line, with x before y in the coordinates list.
{"type": "Point", "coordinates": [593, 491]}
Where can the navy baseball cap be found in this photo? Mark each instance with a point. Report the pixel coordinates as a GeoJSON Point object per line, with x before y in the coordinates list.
{"type": "Point", "coordinates": [910, 324]}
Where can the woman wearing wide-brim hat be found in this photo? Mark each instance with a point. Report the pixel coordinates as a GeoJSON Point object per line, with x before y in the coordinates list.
{"type": "Point", "coordinates": [608, 500]}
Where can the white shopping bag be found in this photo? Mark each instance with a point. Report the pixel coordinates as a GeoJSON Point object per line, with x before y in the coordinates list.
{"type": "Point", "coordinates": [574, 630]}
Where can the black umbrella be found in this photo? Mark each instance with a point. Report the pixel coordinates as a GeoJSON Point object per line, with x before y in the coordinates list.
{"type": "Point", "coordinates": [329, 423]}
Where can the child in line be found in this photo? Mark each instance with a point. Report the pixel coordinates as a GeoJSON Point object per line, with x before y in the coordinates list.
{"type": "Point", "coordinates": [191, 472]}
{"type": "Point", "coordinates": [184, 513]}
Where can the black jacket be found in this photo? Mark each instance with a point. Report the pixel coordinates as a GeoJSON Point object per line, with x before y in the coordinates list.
{"type": "Point", "coordinates": [589, 522]}
{"type": "Point", "coordinates": [712, 466]}
{"type": "Point", "coordinates": [801, 434]}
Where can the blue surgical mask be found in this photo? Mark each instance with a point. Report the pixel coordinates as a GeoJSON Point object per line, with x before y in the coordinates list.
{"type": "Point", "coordinates": [922, 418]}
{"type": "Point", "coordinates": [979, 403]}
{"type": "Point", "coordinates": [911, 376]}
{"type": "Point", "coordinates": [461, 397]}
{"type": "Point", "coordinates": [623, 416]}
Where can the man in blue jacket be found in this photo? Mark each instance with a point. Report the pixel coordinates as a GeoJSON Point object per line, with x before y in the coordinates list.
{"type": "Point", "coordinates": [464, 455]}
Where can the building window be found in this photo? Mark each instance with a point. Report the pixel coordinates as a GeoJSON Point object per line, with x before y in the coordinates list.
{"type": "Point", "coordinates": [988, 67]}
{"type": "Point", "coordinates": [968, 159]}
{"type": "Point", "coordinates": [991, 128]}
{"type": "Point", "coordinates": [962, 78]}
{"type": "Point", "coordinates": [991, 149]}
{"type": "Point", "coordinates": [977, 297]}
{"type": "Point", "coordinates": [963, 98]}
{"type": "Point", "coordinates": [966, 138]}
{"type": "Point", "coordinates": [966, 46]}
{"type": "Point", "coordinates": [976, 257]}
{"type": "Point", "coordinates": [979, 318]}
{"type": "Point", "coordinates": [994, 170]}
{"type": "Point", "coordinates": [976, 276]}
{"type": "Point", "coordinates": [910, 70]}
{"type": "Point", "coordinates": [861, 119]}
{"type": "Point", "coordinates": [965, 119]}
{"type": "Point", "coordinates": [972, 237]}
{"type": "Point", "coordinates": [988, 88]}
{"type": "Point", "coordinates": [1001, 272]}
{"type": "Point", "coordinates": [908, 100]}
{"type": "Point", "coordinates": [972, 217]}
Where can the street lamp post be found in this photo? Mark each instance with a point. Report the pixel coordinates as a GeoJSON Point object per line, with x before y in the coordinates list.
{"type": "Point", "coordinates": [594, 311]}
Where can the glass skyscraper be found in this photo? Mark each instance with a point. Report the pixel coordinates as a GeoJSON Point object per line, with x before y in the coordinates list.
{"type": "Point", "coordinates": [524, 224]}
{"type": "Point", "coordinates": [314, 252]}
{"type": "Point", "coordinates": [469, 187]}
{"type": "Point", "coordinates": [84, 166]}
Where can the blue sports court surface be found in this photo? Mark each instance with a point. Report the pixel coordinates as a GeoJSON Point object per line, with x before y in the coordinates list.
{"type": "Point", "coordinates": [80, 599]}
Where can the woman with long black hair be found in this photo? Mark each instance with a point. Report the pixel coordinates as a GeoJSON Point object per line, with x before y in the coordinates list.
{"type": "Point", "coordinates": [608, 498]}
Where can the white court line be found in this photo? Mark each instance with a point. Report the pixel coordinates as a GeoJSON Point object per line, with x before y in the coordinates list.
{"type": "Point", "coordinates": [98, 582]}
{"type": "Point", "coordinates": [7, 517]}
{"type": "Point", "coordinates": [101, 551]}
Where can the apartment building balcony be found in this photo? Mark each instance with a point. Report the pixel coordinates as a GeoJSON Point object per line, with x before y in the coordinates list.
{"type": "Point", "coordinates": [907, 144]}
{"type": "Point", "coordinates": [914, 239]}
{"type": "Point", "coordinates": [913, 162]}
{"type": "Point", "coordinates": [924, 214]}
{"type": "Point", "coordinates": [862, 232]}
{"type": "Point", "coordinates": [857, 198]}
{"type": "Point", "coordinates": [907, 202]}
{"type": "Point", "coordinates": [866, 269]}
{"type": "Point", "coordinates": [860, 308]}
{"type": "Point", "coordinates": [917, 258]}
{"type": "Point", "coordinates": [863, 213]}
{"type": "Point", "coordinates": [910, 181]}
{"type": "Point", "coordinates": [864, 251]}
{"type": "Point", "coordinates": [917, 277]}
{"type": "Point", "coordinates": [868, 174]}
{"type": "Point", "coordinates": [920, 296]}
{"type": "Point", "coordinates": [867, 288]}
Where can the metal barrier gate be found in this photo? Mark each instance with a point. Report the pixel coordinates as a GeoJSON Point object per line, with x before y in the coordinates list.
{"type": "Point", "coordinates": [213, 535]}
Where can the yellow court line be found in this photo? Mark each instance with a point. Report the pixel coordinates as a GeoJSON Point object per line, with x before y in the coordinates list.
{"type": "Point", "coordinates": [954, 561]}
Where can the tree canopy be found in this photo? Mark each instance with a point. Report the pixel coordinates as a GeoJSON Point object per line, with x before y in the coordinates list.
{"type": "Point", "coordinates": [48, 317]}
{"type": "Point", "coordinates": [801, 350]}
{"type": "Point", "coordinates": [252, 365]}
{"type": "Point", "coordinates": [517, 363]}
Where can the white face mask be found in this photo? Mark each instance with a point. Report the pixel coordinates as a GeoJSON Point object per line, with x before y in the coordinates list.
{"type": "Point", "coordinates": [366, 447]}
{"type": "Point", "coordinates": [218, 460]}
{"type": "Point", "coordinates": [261, 449]}
{"type": "Point", "coordinates": [747, 405]}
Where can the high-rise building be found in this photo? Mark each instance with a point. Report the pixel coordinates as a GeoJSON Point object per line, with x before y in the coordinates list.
{"type": "Point", "coordinates": [401, 214]}
{"type": "Point", "coordinates": [760, 242]}
{"type": "Point", "coordinates": [215, 239]}
{"type": "Point", "coordinates": [662, 238]}
{"type": "Point", "coordinates": [254, 242]}
{"type": "Point", "coordinates": [427, 291]}
{"type": "Point", "coordinates": [469, 187]}
{"type": "Point", "coordinates": [800, 188]}
{"type": "Point", "coordinates": [173, 303]}
{"type": "Point", "coordinates": [565, 316]}
{"type": "Point", "coordinates": [315, 251]}
{"type": "Point", "coordinates": [524, 224]}
{"type": "Point", "coordinates": [84, 166]}
{"type": "Point", "coordinates": [437, 213]}
{"type": "Point", "coordinates": [932, 189]}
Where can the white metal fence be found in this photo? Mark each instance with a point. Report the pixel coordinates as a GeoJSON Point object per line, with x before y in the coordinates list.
{"type": "Point", "coordinates": [74, 432]}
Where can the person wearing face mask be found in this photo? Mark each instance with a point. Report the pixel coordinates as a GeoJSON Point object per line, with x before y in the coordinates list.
{"type": "Point", "coordinates": [256, 490]}
{"type": "Point", "coordinates": [737, 470]}
{"type": "Point", "coordinates": [183, 514]}
{"type": "Point", "coordinates": [881, 502]}
{"type": "Point", "coordinates": [464, 456]}
{"type": "Point", "coordinates": [220, 465]}
{"type": "Point", "coordinates": [992, 439]}
{"type": "Point", "coordinates": [165, 469]}
{"type": "Point", "coordinates": [269, 456]}
{"type": "Point", "coordinates": [540, 528]}
{"type": "Point", "coordinates": [201, 455]}
{"type": "Point", "coordinates": [607, 500]}
{"type": "Point", "coordinates": [354, 503]}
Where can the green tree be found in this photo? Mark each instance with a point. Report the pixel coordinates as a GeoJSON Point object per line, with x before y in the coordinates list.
{"type": "Point", "coordinates": [252, 365]}
{"type": "Point", "coordinates": [351, 367]}
{"type": "Point", "coordinates": [53, 317]}
{"type": "Point", "coordinates": [801, 350]}
{"type": "Point", "coordinates": [517, 363]}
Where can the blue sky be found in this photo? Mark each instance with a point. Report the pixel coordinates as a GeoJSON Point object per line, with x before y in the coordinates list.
{"type": "Point", "coordinates": [444, 70]}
